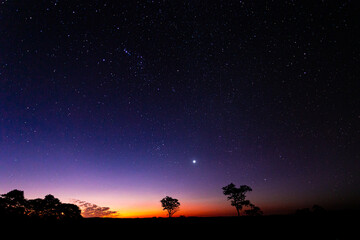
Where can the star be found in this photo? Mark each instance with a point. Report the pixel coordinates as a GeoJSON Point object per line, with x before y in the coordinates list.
{"type": "Point", "coordinates": [194, 161]}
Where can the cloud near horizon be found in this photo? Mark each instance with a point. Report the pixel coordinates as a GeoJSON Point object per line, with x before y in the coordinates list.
{"type": "Point", "coordinates": [92, 210]}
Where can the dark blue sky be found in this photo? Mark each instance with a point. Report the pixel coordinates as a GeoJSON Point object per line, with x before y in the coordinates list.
{"type": "Point", "coordinates": [102, 96]}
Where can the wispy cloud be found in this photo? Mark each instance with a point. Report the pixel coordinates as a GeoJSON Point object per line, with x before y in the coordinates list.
{"type": "Point", "coordinates": [93, 210]}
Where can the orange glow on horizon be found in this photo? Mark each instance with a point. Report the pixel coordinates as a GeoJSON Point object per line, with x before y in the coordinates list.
{"type": "Point", "coordinates": [140, 206]}
{"type": "Point", "coordinates": [187, 210]}
{"type": "Point", "coordinates": [194, 210]}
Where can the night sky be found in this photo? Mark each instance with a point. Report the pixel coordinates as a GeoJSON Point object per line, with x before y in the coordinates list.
{"type": "Point", "coordinates": [107, 103]}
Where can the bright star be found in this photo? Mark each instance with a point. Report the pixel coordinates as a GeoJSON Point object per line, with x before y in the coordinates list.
{"type": "Point", "coordinates": [194, 161]}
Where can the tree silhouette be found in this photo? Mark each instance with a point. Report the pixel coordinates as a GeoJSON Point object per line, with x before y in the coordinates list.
{"type": "Point", "coordinates": [14, 205]}
{"type": "Point", "coordinates": [170, 204]}
{"type": "Point", "coordinates": [69, 211]}
{"type": "Point", "coordinates": [51, 207]}
{"type": "Point", "coordinates": [237, 196]}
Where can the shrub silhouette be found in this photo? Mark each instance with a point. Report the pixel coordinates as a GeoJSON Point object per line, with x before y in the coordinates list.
{"type": "Point", "coordinates": [253, 211]}
{"type": "Point", "coordinates": [316, 210]}
{"type": "Point", "coordinates": [14, 205]}
{"type": "Point", "coordinates": [170, 204]}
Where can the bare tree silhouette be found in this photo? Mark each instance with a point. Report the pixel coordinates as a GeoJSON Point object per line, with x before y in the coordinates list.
{"type": "Point", "coordinates": [170, 204]}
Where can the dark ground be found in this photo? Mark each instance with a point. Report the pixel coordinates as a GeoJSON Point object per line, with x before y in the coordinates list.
{"type": "Point", "coordinates": [332, 225]}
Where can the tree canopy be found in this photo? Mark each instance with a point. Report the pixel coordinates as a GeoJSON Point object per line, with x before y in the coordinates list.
{"type": "Point", "coordinates": [14, 204]}
{"type": "Point", "coordinates": [170, 204]}
{"type": "Point", "coordinates": [238, 199]}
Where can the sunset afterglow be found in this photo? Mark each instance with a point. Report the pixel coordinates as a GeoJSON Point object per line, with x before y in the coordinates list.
{"type": "Point", "coordinates": [114, 105]}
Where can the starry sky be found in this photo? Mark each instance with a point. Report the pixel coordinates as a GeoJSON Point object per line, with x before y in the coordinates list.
{"type": "Point", "coordinates": [107, 103]}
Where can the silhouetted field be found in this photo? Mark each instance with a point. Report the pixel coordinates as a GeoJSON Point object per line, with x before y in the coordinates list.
{"type": "Point", "coordinates": [332, 225]}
